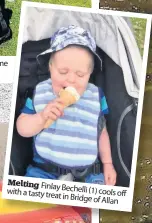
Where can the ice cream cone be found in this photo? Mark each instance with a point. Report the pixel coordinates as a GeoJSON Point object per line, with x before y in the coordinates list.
{"type": "Point", "coordinates": [68, 96]}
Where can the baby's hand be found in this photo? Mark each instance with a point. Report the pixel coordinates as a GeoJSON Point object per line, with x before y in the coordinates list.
{"type": "Point", "coordinates": [109, 174]}
{"type": "Point", "coordinates": [53, 110]}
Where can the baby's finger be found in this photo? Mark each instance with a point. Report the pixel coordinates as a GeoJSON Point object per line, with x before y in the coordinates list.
{"type": "Point", "coordinates": [106, 179]}
{"type": "Point", "coordinates": [59, 106]}
{"type": "Point", "coordinates": [50, 107]}
{"type": "Point", "coordinates": [114, 180]}
{"type": "Point", "coordinates": [111, 181]}
{"type": "Point", "coordinates": [56, 111]}
{"type": "Point", "coordinates": [114, 177]}
{"type": "Point", "coordinates": [59, 100]}
{"type": "Point", "coordinates": [52, 116]}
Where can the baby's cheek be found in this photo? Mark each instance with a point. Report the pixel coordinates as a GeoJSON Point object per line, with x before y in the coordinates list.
{"type": "Point", "coordinates": [82, 86]}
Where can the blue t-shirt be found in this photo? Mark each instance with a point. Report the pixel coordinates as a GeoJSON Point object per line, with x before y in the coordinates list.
{"type": "Point", "coordinates": [29, 109]}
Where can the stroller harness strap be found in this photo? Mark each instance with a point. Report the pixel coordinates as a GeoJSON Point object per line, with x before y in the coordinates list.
{"type": "Point", "coordinates": [71, 141]}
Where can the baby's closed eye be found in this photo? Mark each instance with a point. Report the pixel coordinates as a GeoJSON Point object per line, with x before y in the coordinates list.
{"type": "Point", "coordinates": [63, 71]}
{"type": "Point", "coordinates": [80, 74]}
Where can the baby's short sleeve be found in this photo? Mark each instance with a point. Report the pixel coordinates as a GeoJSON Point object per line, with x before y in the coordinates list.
{"type": "Point", "coordinates": [103, 103]}
{"type": "Point", "coordinates": [104, 111]}
{"type": "Point", "coordinates": [28, 108]}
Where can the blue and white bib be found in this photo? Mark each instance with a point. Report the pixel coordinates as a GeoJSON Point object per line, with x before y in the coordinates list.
{"type": "Point", "coordinates": [71, 141]}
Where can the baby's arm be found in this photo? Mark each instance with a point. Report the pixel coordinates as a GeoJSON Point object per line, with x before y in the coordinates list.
{"type": "Point", "coordinates": [106, 158]}
{"type": "Point", "coordinates": [104, 147]}
{"type": "Point", "coordinates": [29, 125]}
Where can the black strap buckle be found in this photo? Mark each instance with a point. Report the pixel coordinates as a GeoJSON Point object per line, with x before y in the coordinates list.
{"type": "Point", "coordinates": [51, 168]}
{"type": "Point", "coordinates": [80, 174]}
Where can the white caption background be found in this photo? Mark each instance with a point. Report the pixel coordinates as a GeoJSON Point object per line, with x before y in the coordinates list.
{"type": "Point", "coordinates": [6, 80]}
{"type": "Point", "coordinates": [59, 192]}
{"type": "Point", "coordinates": [7, 72]}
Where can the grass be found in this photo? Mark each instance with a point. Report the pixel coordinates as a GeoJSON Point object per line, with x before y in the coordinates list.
{"type": "Point", "coordinates": [139, 27]}
{"type": "Point", "coordinates": [9, 48]}
{"type": "Point", "coordinates": [149, 68]}
{"type": "Point", "coordinates": [140, 212]}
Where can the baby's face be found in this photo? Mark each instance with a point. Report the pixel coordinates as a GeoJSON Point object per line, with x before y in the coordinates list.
{"type": "Point", "coordinates": [71, 66]}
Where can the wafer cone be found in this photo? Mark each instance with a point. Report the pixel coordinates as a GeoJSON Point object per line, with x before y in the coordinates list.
{"type": "Point", "coordinates": [68, 98]}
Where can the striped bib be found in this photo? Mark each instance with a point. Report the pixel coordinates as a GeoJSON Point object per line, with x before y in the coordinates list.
{"type": "Point", "coordinates": [71, 141]}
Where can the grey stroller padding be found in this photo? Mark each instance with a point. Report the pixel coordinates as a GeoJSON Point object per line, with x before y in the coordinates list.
{"type": "Point", "coordinates": [119, 78]}
{"type": "Point", "coordinates": [112, 34]}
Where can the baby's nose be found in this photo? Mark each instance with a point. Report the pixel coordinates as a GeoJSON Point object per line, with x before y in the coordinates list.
{"type": "Point", "coordinates": [71, 77]}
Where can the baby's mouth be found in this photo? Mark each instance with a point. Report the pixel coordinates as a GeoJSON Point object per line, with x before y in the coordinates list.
{"type": "Point", "coordinates": [68, 87]}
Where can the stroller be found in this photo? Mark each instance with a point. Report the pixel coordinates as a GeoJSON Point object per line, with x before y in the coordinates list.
{"type": "Point", "coordinates": [5, 16]}
{"type": "Point", "coordinates": [119, 79]}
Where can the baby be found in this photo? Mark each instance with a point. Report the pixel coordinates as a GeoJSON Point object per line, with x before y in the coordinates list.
{"type": "Point", "coordinates": [71, 141]}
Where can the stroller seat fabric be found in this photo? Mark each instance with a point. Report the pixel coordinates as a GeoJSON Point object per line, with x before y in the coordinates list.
{"type": "Point", "coordinates": [122, 104]}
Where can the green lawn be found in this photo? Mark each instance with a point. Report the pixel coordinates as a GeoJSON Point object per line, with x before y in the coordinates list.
{"type": "Point", "coordinates": [9, 48]}
{"type": "Point", "coordinates": [139, 27]}
{"type": "Point", "coordinates": [149, 68]}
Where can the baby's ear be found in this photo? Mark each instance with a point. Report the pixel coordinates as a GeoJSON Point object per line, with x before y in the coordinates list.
{"type": "Point", "coordinates": [50, 65]}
